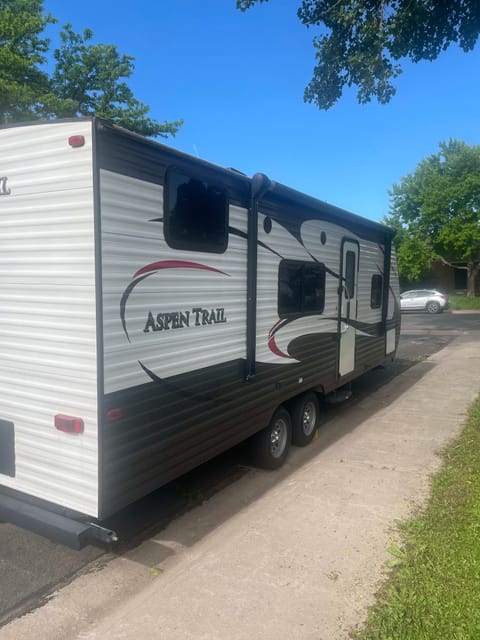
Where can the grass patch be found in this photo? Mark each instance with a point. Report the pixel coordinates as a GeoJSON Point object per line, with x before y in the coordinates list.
{"type": "Point", "coordinates": [463, 302]}
{"type": "Point", "coordinates": [434, 590]}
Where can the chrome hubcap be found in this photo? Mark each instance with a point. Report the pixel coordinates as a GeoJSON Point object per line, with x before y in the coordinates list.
{"type": "Point", "coordinates": [278, 438]}
{"type": "Point", "coordinates": [309, 418]}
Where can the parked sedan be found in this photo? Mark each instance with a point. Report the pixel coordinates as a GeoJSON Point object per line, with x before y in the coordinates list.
{"type": "Point", "coordinates": [427, 300]}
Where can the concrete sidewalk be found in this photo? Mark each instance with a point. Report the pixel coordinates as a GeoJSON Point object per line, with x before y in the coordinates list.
{"type": "Point", "coordinates": [296, 554]}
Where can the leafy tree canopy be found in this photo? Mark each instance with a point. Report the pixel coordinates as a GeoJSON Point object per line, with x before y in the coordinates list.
{"type": "Point", "coordinates": [364, 40]}
{"type": "Point", "coordinates": [22, 52]}
{"type": "Point", "coordinates": [87, 79]}
{"type": "Point", "coordinates": [436, 211]}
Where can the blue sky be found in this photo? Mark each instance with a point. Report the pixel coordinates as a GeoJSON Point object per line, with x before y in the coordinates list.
{"type": "Point", "coordinates": [237, 79]}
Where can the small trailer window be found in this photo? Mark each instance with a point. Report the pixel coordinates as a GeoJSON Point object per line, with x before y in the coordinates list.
{"type": "Point", "coordinates": [376, 291]}
{"type": "Point", "coordinates": [301, 288]}
{"type": "Point", "coordinates": [350, 274]}
{"type": "Point", "coordinates": [196, 214]}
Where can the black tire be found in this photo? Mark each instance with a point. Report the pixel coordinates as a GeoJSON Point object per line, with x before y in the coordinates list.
{"type": "Point", "coordinates": [305, 411]}
{"type": "Point", "coordinates": [433, 307]}
{"type": "Point", "coordinates": [271, 445]}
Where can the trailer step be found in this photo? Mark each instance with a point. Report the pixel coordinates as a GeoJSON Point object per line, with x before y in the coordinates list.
{"type": "Point", "coordinates": [338, 396]}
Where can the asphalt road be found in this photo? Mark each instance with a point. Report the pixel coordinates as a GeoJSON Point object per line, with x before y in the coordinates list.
{"type": "Point", "coordinates": [31, 567]}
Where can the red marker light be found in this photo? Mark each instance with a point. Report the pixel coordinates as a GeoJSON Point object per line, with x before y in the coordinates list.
{"type": "Point", "coordinates": [76, 141]}
{"type": "Point", "coordinates": [69, 424]}
{"type": "Point", "coordinates": [114, 414]}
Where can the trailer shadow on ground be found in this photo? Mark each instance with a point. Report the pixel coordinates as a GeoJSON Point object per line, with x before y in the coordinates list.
{"type": "Point", "coordinates": [139, 523]}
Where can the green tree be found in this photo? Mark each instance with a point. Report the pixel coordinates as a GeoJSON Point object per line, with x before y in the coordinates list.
{"type": "Point", "coordinates": [364, 40]}
{"type": "Point", "coordinates": [436, 211]}
{"type": "Point", "coordinates": [87, 79]}
{"type": "Point", "coordinates": [22, 52]}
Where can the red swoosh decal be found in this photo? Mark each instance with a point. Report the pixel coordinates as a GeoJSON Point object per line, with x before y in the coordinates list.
{"type": "Point", "coordinates": [272, 345]}
{"type": "Point", "coordinates": [175, 264]}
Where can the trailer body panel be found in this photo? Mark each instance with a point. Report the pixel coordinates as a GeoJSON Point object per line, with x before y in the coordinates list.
{"type": "Point", "coordinates": [47, 313]}
{"type": "Point", "coordinates": [169, 304]}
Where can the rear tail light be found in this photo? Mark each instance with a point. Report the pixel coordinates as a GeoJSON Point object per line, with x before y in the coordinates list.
{"type": "Point", "coordinates": [69, 424]}
{"type": "Point", "coordinates": [76, 141]}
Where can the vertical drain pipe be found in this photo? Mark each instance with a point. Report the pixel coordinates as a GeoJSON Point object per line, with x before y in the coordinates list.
{"type": "Point", "coordinates": [259, 185]}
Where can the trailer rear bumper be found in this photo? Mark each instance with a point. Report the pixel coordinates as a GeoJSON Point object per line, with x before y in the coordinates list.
{"type": "Point", "coordinates": [55, 526]}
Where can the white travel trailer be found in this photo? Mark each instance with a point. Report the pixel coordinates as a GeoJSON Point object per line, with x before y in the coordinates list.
{"type": "Point", "coordinates": [156, 310]}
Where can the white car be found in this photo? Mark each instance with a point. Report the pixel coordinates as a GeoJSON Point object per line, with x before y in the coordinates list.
{"type": "Point", "coordinates": [427, 300]}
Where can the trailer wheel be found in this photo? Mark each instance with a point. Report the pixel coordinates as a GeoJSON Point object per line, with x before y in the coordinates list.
{"type": "Point", "coordinates": [305, 411]}
{"type": "Point", "coordinates": [271, 445]}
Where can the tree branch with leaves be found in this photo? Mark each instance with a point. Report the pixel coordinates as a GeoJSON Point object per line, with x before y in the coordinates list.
{"type": "Point", "coordinates": [364, 41]}
{"type": "Point", "coordinates": [22, 53]}
{"type": "Point", "coordinates": [88, 79]}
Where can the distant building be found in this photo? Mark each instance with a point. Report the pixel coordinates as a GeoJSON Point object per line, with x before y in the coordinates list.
{"type": "Point", "coordinates": [450, 279]}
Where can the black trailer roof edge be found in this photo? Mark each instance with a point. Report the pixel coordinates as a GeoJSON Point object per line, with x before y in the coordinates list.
{"type": "Point", "coordinates": [261, 182]}
{"type": "Point", "coordinates": [285, 193]}
{"type": "Point", "coordinates": [241, 177]}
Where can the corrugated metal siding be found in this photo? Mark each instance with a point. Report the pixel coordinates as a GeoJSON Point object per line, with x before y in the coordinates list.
{"type": "Point", "coordinates": [371, 262]}
{"type": "Point", "coordinates": [132, 238]}
{"type": "Point", "coordinates": [394, 297]}
{"type": "Point", "coordinates": [308, 335]}
{"type": "Point", "coordinates": [170, 428]}
{"type": "Point", "coordinates": [47, 311]}
{"type": "Point", "coordinates": [288, 247]}
{"type": "Point", "coordinates": [195, 402]}
{"type": "Point", "coordinates": [369, 347]}
{"type": "Point", "coordinates": [369, 351]}
{"type": "Point", "coordinates": [196, 407]}
{"type": "Point", "coordinates": [393, 316]}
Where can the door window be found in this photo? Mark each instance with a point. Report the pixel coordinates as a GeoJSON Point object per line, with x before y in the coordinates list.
{"type": "Point", "coordinates": [376, 291]}
{"type": "Point", "coordinates": [350, 274]}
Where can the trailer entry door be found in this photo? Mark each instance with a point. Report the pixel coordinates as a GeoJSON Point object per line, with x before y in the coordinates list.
{"type": "Point", "coordinates": [348, 307]}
